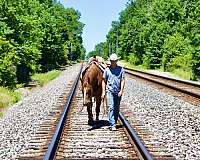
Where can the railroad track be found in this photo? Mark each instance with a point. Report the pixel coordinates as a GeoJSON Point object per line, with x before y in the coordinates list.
{"type": "Point", "coordinates": [80, 141]}
{"type": "Point", "coordinates": [188, 87]}
{"type": "Point", "coordinates": [67, 136]}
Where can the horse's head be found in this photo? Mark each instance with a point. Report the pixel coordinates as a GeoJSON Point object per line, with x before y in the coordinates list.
{"type": "Point", "coordinates": [87, 92]}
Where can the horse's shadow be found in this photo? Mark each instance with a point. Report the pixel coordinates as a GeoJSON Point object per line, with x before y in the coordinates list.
{"type": "Point", "coordinates": [101, 123]}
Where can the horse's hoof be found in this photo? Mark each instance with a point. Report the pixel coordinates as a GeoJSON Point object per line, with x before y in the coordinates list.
{"type": "Point", "coordinates": [90, 122]}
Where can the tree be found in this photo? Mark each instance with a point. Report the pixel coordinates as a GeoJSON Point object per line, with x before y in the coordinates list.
{"type": "Point", "coordinates": [40, 31]}
{"type": "Point", "coordinates": [8, 62]}
{"type": "Point", "coordinates": [177, 53]}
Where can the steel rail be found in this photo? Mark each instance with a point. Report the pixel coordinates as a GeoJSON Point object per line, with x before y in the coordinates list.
{"type": "Point", "coordinates": [50, 153]}
{"type": "Point", "coordinates": [193, 83]}
{"type": "Point", "coordinates": [140, 146]}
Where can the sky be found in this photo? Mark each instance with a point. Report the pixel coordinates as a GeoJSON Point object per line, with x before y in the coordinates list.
{"type": "Point", "coordinates": [97, 16]}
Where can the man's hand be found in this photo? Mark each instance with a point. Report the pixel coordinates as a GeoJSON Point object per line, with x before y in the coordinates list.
{"type": "Point", "coordinates": [103, 95]}
{"type": "Point", "coordinates": [120, 93]}
{"type": "Point", "coordinates": [122, 88]}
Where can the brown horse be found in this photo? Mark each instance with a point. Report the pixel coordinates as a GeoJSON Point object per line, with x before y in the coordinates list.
{"type": "Point", "coordinates": [91, 83]}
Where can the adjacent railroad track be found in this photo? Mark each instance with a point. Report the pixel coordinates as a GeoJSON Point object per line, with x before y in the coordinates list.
{"type": "Point", "coordinates": [66, 135]}
{"type": "Point", "coordinates": [188, 89]}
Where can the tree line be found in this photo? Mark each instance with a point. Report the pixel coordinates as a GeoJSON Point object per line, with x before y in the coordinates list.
{"type": "Point", "coordinates": [157, 34]}
{"type": "Point", "coordinates": [37, 36]}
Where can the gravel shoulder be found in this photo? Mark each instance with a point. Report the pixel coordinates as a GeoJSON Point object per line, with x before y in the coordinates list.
{"type": "Point", "coordinates": [173, 121]}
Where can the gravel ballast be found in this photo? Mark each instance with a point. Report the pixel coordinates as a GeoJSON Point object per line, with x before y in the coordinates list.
{"type": "Point", "coordinates": [174, 122]}
{"type": "Point", "coordinates": [22, 120]}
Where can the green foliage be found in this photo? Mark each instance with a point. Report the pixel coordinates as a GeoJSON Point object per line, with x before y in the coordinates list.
{"type": "Point", "coordinates": [113, 38]}
{"type": "Point", "coordinates": [133, 59]}
{"type": "Point", "coordinates": [91, 54]}
{"type": "Point", "coordinates": [184, 74]}
{"type": "Point", "coordinates": [47, 3]}
{"type": "Point", "coordinates": [177, 53]}
{"type": "Point", "coordinates": [8, 62]}
{"type": "Point", "coordinates": [62, 37]}
{"type": "Point", "coordinates": [44, 78]}
{"type": "Point", "coordinates": [8, 97]}
{"type": "Point", "coordinates": [133, 29]}
{"type": "Point", "coordinates": [159, 34]}
{"type": "Point", "coordinates": [191, 29]}
{"type": "Point", "coordinates": [39, 35]}
{"type": "Point", "coordinates": [101, 49]}
{"type": "Point", "coordinates": [23, 18]}
{"type": "Point", "coordinates": [82, 55]}
{"type": "Point", "coordinates": [196, 63]}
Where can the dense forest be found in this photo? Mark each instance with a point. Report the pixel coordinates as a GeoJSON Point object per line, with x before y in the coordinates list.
{"type": "Point", "coordinates": [37, 36]}
{"type": "Point", "coordinates": [42, 35]}
{"type": "Point", "coordinates": [157, 34]}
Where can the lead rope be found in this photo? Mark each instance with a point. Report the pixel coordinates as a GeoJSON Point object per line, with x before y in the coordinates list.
{"type": "Point", "coordinates": [104, 106]}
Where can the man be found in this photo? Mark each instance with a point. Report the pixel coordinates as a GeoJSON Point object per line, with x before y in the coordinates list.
{"type": "Point", "coordinates": [114, 79]}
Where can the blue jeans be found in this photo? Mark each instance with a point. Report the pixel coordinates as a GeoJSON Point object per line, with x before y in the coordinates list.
{"type": "Point", "coordinates": [113, 107]}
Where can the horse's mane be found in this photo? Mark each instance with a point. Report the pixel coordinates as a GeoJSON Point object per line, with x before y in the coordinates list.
{"type": "Point", "coordinates": [88, 75]}
{"type": "Point", "coordinates": [88, 68]}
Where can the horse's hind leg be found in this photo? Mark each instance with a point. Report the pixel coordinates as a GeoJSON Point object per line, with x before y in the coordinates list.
{"type": "Point", "coordinates": [98, 103]}
{"type": "Point", "coordinates": [90, 116]}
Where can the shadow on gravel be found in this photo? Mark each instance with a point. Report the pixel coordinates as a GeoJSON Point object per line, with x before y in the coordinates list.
{"type": "Point", "coordinates": [99, 124]}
